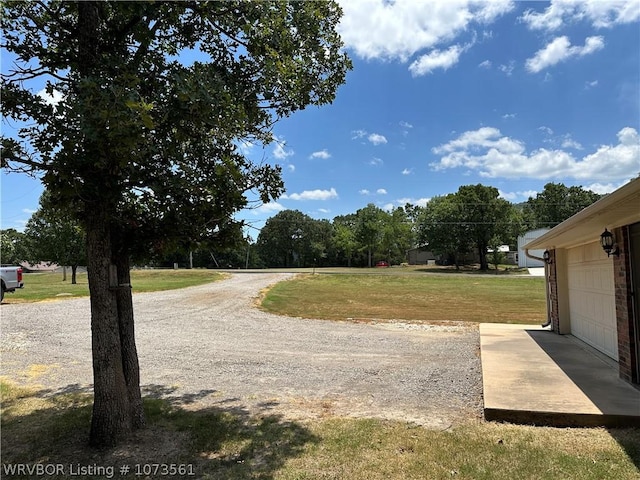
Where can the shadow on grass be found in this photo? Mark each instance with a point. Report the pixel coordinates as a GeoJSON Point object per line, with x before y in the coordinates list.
{"type": "Point", "coordinates": [473, 270]}
{"type": "Point", "coordinates": [629, 440]}
{"type": "Point", "coordinates": [221, 441]}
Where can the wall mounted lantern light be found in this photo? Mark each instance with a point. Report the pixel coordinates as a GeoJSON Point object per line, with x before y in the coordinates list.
{"type": "Point", "coordinates": [547, 257]}
{"type": "Point", "coordinates": [608, 243]}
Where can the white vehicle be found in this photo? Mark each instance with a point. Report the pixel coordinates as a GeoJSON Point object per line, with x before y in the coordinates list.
{"type": "Point", "coordinates": [11, 278]}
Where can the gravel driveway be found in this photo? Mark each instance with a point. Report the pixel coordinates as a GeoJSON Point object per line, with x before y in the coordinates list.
{"type": "Point", "coordinates": [209, 345]}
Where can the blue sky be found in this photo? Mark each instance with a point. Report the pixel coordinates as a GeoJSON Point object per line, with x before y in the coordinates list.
{"type": "Point", "coordinates": [450, 93]}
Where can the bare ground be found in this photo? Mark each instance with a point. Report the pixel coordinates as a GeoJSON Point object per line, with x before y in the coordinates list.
{"type": "Point", "coordinates": [209, 346]}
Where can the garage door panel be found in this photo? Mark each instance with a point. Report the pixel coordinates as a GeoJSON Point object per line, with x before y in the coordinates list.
{"type": "Point", "coordinates": [592, 301]}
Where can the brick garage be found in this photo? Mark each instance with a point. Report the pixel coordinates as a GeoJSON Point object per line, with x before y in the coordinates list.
{"type": "Point", "coordinates": [591, 295]}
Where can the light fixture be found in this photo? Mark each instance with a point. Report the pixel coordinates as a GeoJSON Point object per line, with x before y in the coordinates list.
{"type": "Point", "coordinates": [547, 257]}
{"type": "Point", "coordinates": [608, 243]}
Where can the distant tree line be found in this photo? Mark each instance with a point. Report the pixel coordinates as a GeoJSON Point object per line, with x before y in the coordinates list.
{"type": "Point", "coordinates": [469, 222]}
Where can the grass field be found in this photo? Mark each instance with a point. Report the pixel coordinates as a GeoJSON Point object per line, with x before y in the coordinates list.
{"type": "Point", "coordinates": [221, 444]}
{"type": "Point", "coordinates": [415, 297]}
{"type": "Point", "coordinates": [216, 443]}
{"type": "Point", "coordinates": [50, 286]}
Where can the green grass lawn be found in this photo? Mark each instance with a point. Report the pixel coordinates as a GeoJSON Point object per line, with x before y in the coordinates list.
{"type": "Point", "coordinates": [50, 286]}
{"type": "Point", "coordinates": [218, 443]}
{"type": "Point", "coordinates": [415, 297]}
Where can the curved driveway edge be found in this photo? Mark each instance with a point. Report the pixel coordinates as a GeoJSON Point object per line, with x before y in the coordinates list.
{"type": "Point", "coordinates": [209, 346]}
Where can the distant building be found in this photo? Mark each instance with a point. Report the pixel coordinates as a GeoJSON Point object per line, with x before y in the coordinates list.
{"type": "Point", "coordinates": [523, 260]}
{"type": "Point", "coordinates": [420, 256]}
{"type": "Point", "coordinates": [508, 256]}
{"type": "Point", "coordinates": [39, 267]}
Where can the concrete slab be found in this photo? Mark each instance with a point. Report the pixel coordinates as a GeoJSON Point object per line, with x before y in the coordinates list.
{"type": "Point", "coordinates": [536, 271]}
{"type": "Point", "coordinates": [534, 376]}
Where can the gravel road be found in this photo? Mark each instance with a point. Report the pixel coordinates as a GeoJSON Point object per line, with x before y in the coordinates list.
{"type": "Point", "coordinates": [209, 346]}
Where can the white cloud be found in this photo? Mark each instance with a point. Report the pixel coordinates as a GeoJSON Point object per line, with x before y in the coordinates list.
{"type": "Point", "coordinates": [29, 211]}
{"type": "Point", "coordinates": [245, 146]}
{"type": "Point", "coordinates": [517, 196]}
{"type": "Point", "coordinates": [324, 210]}
{"type": "Point", "coordinates": [559, 50]}
{"type": "Point", "coordinates": [376, 161]}
{"type": "Point", "coordinates": [509, 115]}
{"type": "Point", "coordinates": [443, 59]}
{"type": "Point", "coordinates": [407, 171]}
{"type": "Point", "coordinates": [604, 188]}
{"type": "Point", "coordinates": [377, 139]}
{"type": "Point", "coordinates": [53, 99]}
{"type": "Point", "coordinates": [291, 167]}
{"type": "Point", "coordinates": [406, 27]}
{"type": "Point", "coordinates": [485, 137]}
{"type": "Point", "coordinates": [592, 84]}
{"type": "Point", "coordinates": [550, 19]}
{"type": "Point", "coordinates": [364, 191]}
{"type": "Point", "coordinates": [507, 69]}
{"type": "Point", "coordinates": [406, 125]}
{"type": "Point", "coordinates": [279, 150]}
{"type": "Point", "coordinates": [313, 195]}
{"type": "Point", "coordinates": [381, 191]}
{"type": "Point", "coordinates": [568, 142]}
{"type": "Point", "coordinates": [421, 202]}
{"type": "Point", "coordinates": [324, 154]}
{"type": "Point", "coordinates": [564, 141]}
{"type": "Point", "coordinates": [529, 194]}
{"type": "Point", "coordinates": [511, 196]}
{"type": "Point", "coordinates": [374, 138]}
{"type": "Point", "coordinates": [267, 208]}
{"type": "Point", "coordinates": [358, 134]}
{"type": "Point", "coordinates": [492, 155]}
{"type": "Point", "coordinates": [601, 14]}
{"type": "Point", "coordinates": [611, 162]}
{"type": "Point", "coordinates": [485, 64]}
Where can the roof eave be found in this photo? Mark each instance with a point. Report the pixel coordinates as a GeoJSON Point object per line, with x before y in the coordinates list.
{"type": "Point", "coordinates": [621, 207]}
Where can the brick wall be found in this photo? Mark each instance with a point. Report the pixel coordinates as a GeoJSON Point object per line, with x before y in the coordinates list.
{"type": "Point", "coordinates": [624, 308]}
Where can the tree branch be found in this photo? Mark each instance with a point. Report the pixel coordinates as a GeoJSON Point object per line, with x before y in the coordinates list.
{"type": "Point", "coordinates": [21, 74]}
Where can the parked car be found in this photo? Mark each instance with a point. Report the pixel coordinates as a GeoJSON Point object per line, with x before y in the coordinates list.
{"type": "Point", "coordinates": [382, 263]}
{"type": "Point", "coordinates": [11, 278]}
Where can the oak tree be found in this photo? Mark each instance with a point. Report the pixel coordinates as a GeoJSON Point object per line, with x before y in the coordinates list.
{"type": "Point", "coordinates": [55, 237]}
{"type": "Point", "coordinates": [151, 99]}
{"type": "Point", "coordinates": [557, 202]}
{"type": "Point", "coordinates": [489, 218]}
{"type": "Point", "coordinates": [442, 227]}
{"type": "Point", "coordinates": [369, 230]}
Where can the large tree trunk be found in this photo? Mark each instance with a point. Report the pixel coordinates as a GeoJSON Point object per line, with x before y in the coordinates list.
{"type": "Point", "coordinates": [482, 252]}
{"type": "Point", "coordinates": [116, 407]}
{"type": "Point", "coordinates": [130, 364]}
{"type": "Point", "coordinates": [74, 271]}
{"type": "Point", "coordinates": [111, 419]}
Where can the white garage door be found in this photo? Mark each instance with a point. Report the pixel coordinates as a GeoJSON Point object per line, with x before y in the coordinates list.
{"type": "Point", "coordinates": [592, 300]}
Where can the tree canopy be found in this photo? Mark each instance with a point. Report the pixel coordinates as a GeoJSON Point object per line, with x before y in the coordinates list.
{"type": "Point", "coordinates": [140, 146]}
{"type": "Point", "coordinates": [287, 238]}
{"type": "Point", "coordinates": [441, 226]}
{"type": "Point", "coordinates": [54, 236]}
{"type": "Point", "coordinates": [556, 203]}
{"type": "Point", "coordinates": [13, 247]}
{"type": "Point", "coordinates": [473, 216]}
